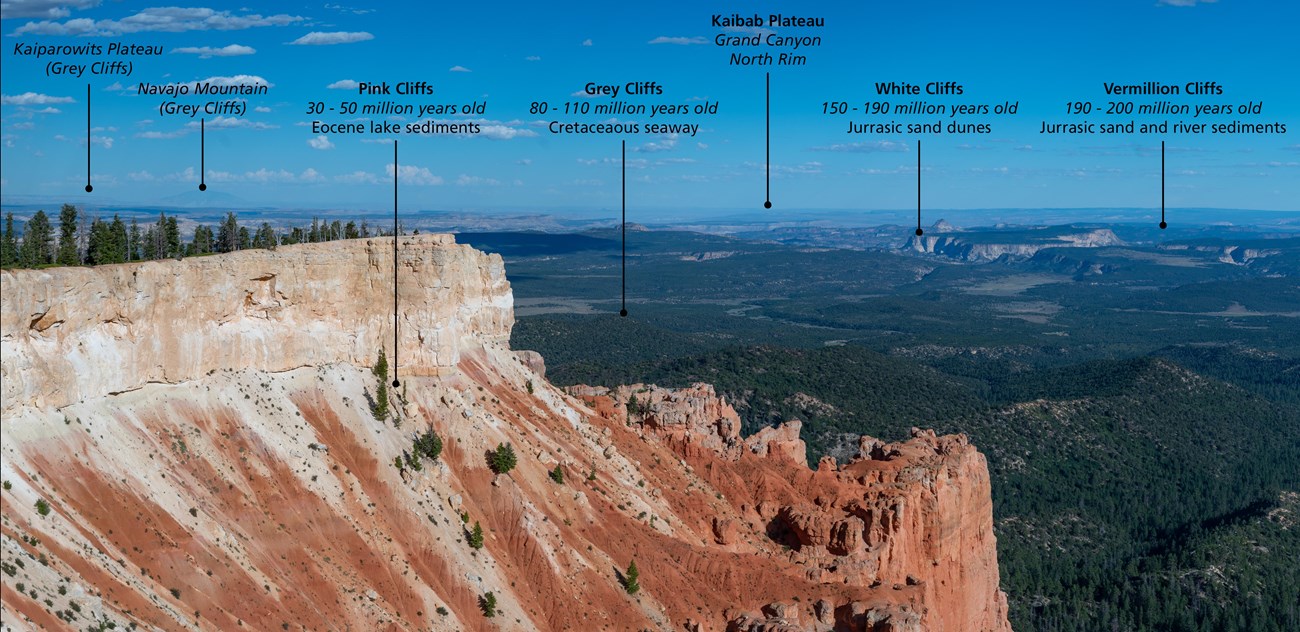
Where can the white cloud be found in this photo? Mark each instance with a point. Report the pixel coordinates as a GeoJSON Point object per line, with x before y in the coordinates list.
{"type": "Point", "coordinates": [680, 41]}
{"type": "Point", "coordinates": [159, 19]}
{"type": "Point", "coordinates": [321, 38]}
{"type": "Point", "coordinates": [32, 98]}
{"type": "Point", "coordinates": [532, 58]}
{"type": "Point", "coordinates": [262, 108]}
{"type": "Point", "coordinates": [459, 69]}
{"type": "Point", "coordinates": [345, 9]}
{"type": "Point", "coordinates": [232, 122]}
{"type": "Point", "coordinates": [141, 176]}
{"type": "Point", "coordinates": [865, 147]}
{"type": "Point", "coordinates": [1184, 3]}
{"type": "Point", "coordinates": [116, 86]}
{"type": "Point", "coordinates": [344, 84]}
{"type": "Point", "coordinates": [204, 52]}
{"type": "Point", "coordinates": [632, 163]}
{"type": "Point", "coordinates": [666, 144]}
{"type": "Point", "coordinates": [807, 168]}
{"type": "Point", "coordinates": [358, 177]}
{"type": "Point", "coordinates": [524, 161]}
{"type": "Point", "coordinates": [504, 132]}
{"type": "Point", "coordinates": [474, 181]}
{"type": "Point", "coordinates": [260, 176]}
{"type": "Point", "coordinates": [320, 142]}
{"type": "Point", "coordinates": [50, 9]}
{"type": "Point", "coordinates": [103, 141]}
{"type": "Point", "coordinates": [410, 174]}
{"type": "Point", "coordinates": [238, 80]}
{"type": "Point", "coordinates": [587, 42]}
{"type": "Point", "coordinates": [162, 135]}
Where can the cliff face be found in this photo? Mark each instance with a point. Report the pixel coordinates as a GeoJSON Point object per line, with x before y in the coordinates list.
{"type": "Point", "coordinates": [73, 333]}
{"type": "Point", "coordinates": [912, 522]}
{"type": "Point", "coordinates": [190, 445]}
{"type": "Point", "coordinates": [957, 246]}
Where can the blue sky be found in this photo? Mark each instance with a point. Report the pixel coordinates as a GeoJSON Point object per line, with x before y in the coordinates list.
{"type": "Point", "coordinates": [1042, 54]}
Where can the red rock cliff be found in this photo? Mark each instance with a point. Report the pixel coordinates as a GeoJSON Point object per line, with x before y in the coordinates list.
{"type": "Point", "coordinates": [254, 491]}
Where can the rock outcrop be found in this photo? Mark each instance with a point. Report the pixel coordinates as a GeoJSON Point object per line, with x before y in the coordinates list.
{"type": "Point", "coordinates": [74, 333]}
{"type": "Point", "coordinates": [192, 445]}
{"type": "Point", "coordinates": [991, 246]}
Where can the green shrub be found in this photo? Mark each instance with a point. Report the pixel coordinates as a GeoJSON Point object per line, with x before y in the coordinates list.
{"type": "Point", "coordinates": [488, 602]}
{"type": "Point", "coordinates": [503, 459]}
{"type": "Point", "coordinates": [557, 474]}
{"type": "Point", "coordinates": [476, 536]}
{"type": "Point", "coordinates": [42, 507]}
{"type": "Point", "coordinates": [630, 583]}
{"type": "Point", "coordinates": [428, 445]}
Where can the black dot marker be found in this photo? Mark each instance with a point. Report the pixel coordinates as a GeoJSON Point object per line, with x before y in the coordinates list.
{"type": "Point", "coordinates": [1163, 225]}
{"type": "Point", "coordinates": [396, 383]}
{"type": "Point", "coordinates": [767, 204]}
{"type": "Point", "coordinates": [919, 232]}
{"type": "Point", "coordinates": [89, 188]}
{"type": "Point", "coordinates": [623, 313]}
{"type": "Point", "coordinates": [203, 187]}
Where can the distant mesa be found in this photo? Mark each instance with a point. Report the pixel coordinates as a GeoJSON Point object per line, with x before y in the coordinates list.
{"type": "Point", "coordinates": [984, 245]}
{"type": "Point", "coordinates": [943, 226]}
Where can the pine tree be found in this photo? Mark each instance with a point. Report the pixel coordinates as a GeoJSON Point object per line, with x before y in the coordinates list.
{"type": "Point", "coordinates": [557, 474]}
{"type": "Point", "coordinates": [38, 242]}
{"type": "Point", "coordinates": [630, 583]}
{"type": "Point", "coordinates": [117, 241]}
{"type": "Point", "coordinates": [503, 459]}
{"type": "Point", "coordinates": [488, 602]}
{"type": "Point", "coordinates": [149, 244]}
{"type": "Point", "coordinates": [67, 255]}
{"type": "Point", "coordinates": [201, 243]}
{"type": "Point", "coordinates": [156, 239]}
{"type": "Point", "coordinates": [429, 445]}
{"type": "Point", "coordinates": [380, 409]}
{"type": "Point", "coordinates": [8, 244]}
{"type": "Point", "coordinates": [265, 237]}
{"type": "Point", "coordinates": [173, 233]}
{"type": "Point", "coordinates": [381, 367]}
{"type": "Point", "coordinates": [476, 536]}
{"type": "Point", "coordinates": [228, 234]}
{"type": "Point", "coordinates": [245, 238]}
{"type": "Point", "coordinates": [97, 243]}
{"type": "Point", "coordinates": [133, 243]}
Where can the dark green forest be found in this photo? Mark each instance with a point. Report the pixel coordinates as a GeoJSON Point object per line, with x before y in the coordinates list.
{"type": "Point", "coordinates": [1144, 445]}
{"type": "Point", "coordinates": [79, 239]}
